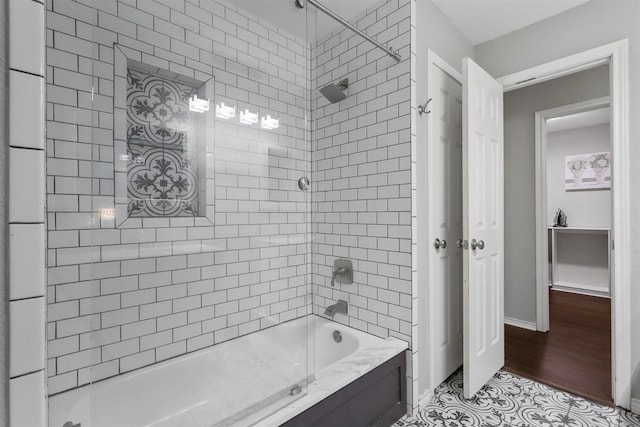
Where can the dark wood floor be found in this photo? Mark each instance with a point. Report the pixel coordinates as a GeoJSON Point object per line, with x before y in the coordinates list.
{"type": "Point", "coordinates": [575, 355]}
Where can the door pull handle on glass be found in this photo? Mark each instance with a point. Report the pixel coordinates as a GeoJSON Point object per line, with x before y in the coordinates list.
{"type": "Point", "coordinates": [440, 244]}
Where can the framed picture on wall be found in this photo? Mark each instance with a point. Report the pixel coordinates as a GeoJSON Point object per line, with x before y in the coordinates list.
{"type": "Point", "coordinates": [590, 171]}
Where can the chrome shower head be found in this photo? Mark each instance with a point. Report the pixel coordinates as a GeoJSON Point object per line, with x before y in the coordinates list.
{"type": "Point", "coordinates": [335, 93]}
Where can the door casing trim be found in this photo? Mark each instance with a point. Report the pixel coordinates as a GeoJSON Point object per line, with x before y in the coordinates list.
{"type": "Point", "coordinates": [617, 55]}
{"type": "Point", "coordinates": [542, 248]}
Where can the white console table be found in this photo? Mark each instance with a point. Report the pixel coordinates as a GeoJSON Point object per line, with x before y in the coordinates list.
{"type": "Point", "coordinates": [581, 259]}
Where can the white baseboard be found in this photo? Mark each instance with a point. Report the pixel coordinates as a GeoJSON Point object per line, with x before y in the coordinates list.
{"type": "Point", "coordinates": [576, 288]}
{"type": "Point", "coordinates": [425, 399]}
{"type": "Point", "coordinates": [520, 323]}
{"type": "Point", "coordinates": [635, 406]}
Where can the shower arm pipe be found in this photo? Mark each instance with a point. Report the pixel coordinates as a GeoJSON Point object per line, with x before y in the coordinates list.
{"type": "Point", "coordinates": [328, 12]}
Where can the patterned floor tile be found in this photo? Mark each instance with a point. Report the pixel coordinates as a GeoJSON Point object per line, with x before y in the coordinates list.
{"type": "Point", "coordinates": [512, 401]}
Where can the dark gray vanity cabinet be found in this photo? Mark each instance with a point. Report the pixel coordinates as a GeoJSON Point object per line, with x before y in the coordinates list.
{"type": "Point", "coordinates": [376, 399]}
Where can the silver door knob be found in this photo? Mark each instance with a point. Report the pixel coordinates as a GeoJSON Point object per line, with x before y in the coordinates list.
{"type": "Point", "coordinates": [477, 244]}
{"type": "Point", "coordinates": [440, 244]}
{"type": "Point", "coordinates": [459, 243]}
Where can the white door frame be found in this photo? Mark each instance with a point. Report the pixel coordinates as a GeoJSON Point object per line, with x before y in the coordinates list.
{"type": "Point", "coordinates": [542, 247]}
{"type": "Point", "coordinates": [617, 55]}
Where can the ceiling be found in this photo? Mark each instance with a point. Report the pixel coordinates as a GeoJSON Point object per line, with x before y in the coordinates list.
{"type": "Point", "coordinates": [579, 120]}
{"type": "Point", "coordinates": [478, 20]}
{"type": "Point", "coordinates": [484, 20]}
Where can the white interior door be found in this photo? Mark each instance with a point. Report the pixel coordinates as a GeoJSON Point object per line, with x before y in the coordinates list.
{"type": "Point", "coordinates": [483, 224]}
{"type": "Point", "coordinates": [445, 218]}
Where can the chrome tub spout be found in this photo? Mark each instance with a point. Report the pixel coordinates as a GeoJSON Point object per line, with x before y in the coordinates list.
{"type": "Point", "coordinates": [340, 307]}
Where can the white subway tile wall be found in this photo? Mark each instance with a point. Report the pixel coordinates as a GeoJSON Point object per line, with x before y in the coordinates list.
{"type": "Point", "coordinates": [363, 181]}
{"type": "Point", "coordinates": [123, 297]}
{"type": "Point", "coordinates": [362, 174]}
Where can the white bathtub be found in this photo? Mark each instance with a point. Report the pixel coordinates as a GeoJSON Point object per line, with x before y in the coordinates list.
{"type": "Point", "coordinates": [213, 386]}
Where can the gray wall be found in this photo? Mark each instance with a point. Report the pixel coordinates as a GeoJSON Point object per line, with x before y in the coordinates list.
{"type": "Point", "coordinates": [583, 208]}
{"type": "Point", "coordinates": [593, 24]}
{"type": "Point", "coordinates": [520, 107]}
{"type": "Point", "coordinates": [436, 32]}
{"type": "Point", "coordinates": [4, 144]}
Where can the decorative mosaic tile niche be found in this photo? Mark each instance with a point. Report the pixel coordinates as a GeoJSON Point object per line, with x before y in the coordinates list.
{"type": "Point", "coordinates": [164, 151]}
{"type": "Point", "coordinates": [162, 172]}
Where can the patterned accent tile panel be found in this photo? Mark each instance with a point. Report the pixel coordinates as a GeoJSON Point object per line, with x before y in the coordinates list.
{"type": "Point", "coordinates": [162, 174]}
{"type": "Point", "coordinates": [509, 400]}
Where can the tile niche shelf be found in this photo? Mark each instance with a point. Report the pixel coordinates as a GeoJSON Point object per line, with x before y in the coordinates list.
{"type": "Point", "coordinates": [164, 153]}
{"type": "Point", "coordinates": [581, 259]}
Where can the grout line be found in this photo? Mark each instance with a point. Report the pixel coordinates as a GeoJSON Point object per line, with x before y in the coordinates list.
{"type": "Point", "coordinates": [26, 148]}
{"type": "Point", "coordinates": [26, 298]}
{"type": "Point", "coordinates": [28, 373]}
{"type": "Point", "coordinates": [27, 72]}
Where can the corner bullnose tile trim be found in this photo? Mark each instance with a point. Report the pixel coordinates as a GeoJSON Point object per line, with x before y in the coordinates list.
{"type": "Point", "coordinates": [26, 61]}
{"type": "Point", "coordinates": [27, 400]}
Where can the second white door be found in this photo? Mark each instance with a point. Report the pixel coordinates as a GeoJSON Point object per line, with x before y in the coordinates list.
{"type": "Point", "coordinates": [483, 223]}
{"type": "Point", "coordinates": [444, 154]}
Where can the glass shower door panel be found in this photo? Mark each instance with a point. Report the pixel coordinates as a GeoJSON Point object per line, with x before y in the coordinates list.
{"type": "Point", "coordinates": [198, 277]}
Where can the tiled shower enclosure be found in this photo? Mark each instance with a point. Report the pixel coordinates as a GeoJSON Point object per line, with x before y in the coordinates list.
{"type": "Point", "coordinates": [177, 131]}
